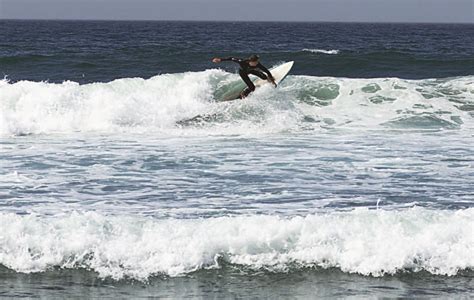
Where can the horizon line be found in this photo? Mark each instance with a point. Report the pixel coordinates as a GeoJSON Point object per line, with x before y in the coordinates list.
{"type": "Point", "coordinates": [232, 21]}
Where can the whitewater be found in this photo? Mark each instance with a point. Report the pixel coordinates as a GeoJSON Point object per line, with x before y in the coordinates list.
{"type": "Point", "coordinates": [367, 242]}
{"type": "Point", "coordinates": [300, 103]}
{"type": "Point", "coordinates": [366, 176]}
{"type": "Point", "coordinates": [123, 176]}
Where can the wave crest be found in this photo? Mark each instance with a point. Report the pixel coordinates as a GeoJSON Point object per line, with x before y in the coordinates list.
{"type": "Point", "coordinates": [300, 103]}
{"type": "Point", "coordinates": [322, 51]}
{"type": "Point", "coordinates": [366, 242]}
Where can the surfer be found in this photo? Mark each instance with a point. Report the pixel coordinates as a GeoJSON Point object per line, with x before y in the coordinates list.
{"type": "Point", "coordinates": [248, 66]}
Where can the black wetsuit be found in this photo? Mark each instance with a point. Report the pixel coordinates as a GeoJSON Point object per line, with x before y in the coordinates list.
{"type": "Point", "coordinates": [246, 69]}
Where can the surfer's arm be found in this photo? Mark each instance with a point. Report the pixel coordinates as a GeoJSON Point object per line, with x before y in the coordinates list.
{"type": "Point", "coordinates": [234, 59]}
{"type": "Point", "coordinates": [270, 76]}
{"type": "Point", "coordinates": [261, 67]}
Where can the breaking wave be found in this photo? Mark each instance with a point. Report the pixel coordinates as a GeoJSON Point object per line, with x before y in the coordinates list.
{"type": "Point", "coordinates": [300, 103]}
{"type": "Point", "coordinates": [366, 242]}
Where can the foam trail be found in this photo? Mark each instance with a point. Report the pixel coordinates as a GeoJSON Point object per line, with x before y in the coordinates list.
{"type": "Point", "coordinates": [367, 242]}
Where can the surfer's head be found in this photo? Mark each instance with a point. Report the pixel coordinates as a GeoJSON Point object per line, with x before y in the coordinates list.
{"type": "Point", "coordinates": [253, 60]}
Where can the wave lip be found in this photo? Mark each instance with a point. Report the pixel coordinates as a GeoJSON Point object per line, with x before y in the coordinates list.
{"type": "Point", "coordinates": [322, 51]}
{"type": "Point", "coordinates": [366, 242]}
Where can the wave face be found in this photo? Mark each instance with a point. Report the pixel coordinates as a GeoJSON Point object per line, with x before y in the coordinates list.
{"type": "Point", "coordinates": [300, 103]}
{"type": "Point", "coordinates": [367, 242]}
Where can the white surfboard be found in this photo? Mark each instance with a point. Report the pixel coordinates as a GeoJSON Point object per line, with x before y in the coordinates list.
{"type": "Point", "coordinates": [233, 91]}
{"type": "Point", "coordinates": [279, 73]}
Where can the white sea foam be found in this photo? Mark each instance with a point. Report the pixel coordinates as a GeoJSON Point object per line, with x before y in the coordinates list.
{"type": "Point", "coordinates": [322, 51]}
{"type": "Point", "coordinates": [40, 107]}
{"type": "Point", "coordinates": [367, 242]}
{"type": "Point", "coordinates": [156, 104]}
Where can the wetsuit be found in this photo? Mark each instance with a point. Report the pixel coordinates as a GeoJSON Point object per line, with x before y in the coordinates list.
{"type": "Point", "coordinates": [246, 69]}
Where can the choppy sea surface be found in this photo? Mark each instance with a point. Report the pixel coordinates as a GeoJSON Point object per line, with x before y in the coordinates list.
{"type": "Point", "coordinates": [353, 178]}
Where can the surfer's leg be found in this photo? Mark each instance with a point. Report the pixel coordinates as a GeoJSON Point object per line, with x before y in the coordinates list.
{"type": "Point", "coordinates": [250, 86]}
{"type": "Point", "coordinates": [246, 79]}
{"type": "Point", "coordinates": [245, 93]}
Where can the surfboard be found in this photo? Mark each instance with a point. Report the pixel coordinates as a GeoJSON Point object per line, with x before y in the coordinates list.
{"type": "Point", "coordinates": [233, 90]}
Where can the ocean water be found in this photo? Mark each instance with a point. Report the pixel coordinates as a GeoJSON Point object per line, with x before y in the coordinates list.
{"type": "Point", "coordinates": [353, 179]}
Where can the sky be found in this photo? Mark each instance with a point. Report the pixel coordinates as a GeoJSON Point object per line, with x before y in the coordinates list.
{"type": "Point", "coordinates": [436, 11]}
